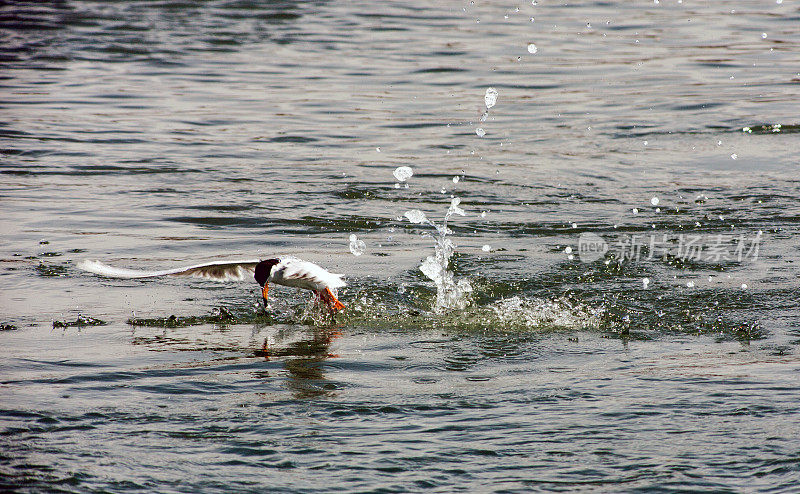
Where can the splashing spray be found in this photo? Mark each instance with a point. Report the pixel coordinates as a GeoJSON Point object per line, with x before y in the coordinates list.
{"type": "Point", "coordinates": [450, 294]}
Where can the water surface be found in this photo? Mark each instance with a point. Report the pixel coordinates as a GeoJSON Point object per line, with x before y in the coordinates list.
{"type": "Point", "coordinates": [158, 134]}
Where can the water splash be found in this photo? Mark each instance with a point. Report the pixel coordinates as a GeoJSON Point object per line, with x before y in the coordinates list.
{"type": "Point", "coordinates": [450, 293]}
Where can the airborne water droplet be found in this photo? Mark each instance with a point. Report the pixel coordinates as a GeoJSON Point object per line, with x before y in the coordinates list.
{"type": "Point", "coordinates": [357, 247]}
{"type": "Point", "coordinates": [490, 98]}
{"type": "Point", "coordinates": [654, 201]}
{"type": "Point", "coordinates": [454, 209]}
{"type": "Point", "coordinates": [403, 173]}
{"type": "Point", "coordinates": [532, 48]}
{"type": "Point", "coordinates": [486, 248]}
{"type": "Point", "coordinates": [645, 282]}
{"type": "Point", "coordinates": [480, 132]}
{"type": "Point", "coordinates": [415, 216]}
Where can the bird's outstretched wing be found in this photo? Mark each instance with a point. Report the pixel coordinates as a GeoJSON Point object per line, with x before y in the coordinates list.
{"type": "Point", "coordinates": [216, 271]}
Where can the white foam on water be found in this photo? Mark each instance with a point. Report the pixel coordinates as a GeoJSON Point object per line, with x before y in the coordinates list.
{"type": "Point", "coordinates": [518, 312]}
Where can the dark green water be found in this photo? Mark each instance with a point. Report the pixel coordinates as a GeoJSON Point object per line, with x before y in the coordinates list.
{"type": "Point", "coordinates": [159, 134]}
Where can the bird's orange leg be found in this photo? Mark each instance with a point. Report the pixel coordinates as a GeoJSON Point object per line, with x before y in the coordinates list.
{"type": "Point", "coordinates": [330, 299]}
{"type": "Point", "coordinates": [264, 292]}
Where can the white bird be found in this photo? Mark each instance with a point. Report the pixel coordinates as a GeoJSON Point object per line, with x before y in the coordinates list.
{"type": "Point", "coordinates": [287, 271]}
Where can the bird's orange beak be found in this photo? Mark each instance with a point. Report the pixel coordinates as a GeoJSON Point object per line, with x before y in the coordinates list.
{"type": "Point", "coordinates": [264, 292]}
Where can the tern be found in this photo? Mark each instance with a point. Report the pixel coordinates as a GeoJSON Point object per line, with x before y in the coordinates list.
{"type": "Point", "coordinates": [287, 271]}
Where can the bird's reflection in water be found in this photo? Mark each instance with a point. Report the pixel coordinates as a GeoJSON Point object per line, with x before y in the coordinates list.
{"type": "Point", "coordinates": [302, 351]}
{"type": "Point", "coordinates": [306, 377]}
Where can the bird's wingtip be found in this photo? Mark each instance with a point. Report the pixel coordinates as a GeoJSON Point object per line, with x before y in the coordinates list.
{"type": "Point", "coordinates": [91, 265]}
{"type": "Point", "coordinates": [97, 267]}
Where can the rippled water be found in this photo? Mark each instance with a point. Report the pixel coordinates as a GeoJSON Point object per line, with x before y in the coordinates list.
{"type": "Point", "coordinates": [160, 134]}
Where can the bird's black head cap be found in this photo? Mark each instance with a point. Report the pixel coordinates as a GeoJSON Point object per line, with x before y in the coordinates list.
{"type": "Point", "coordinates": [263, 269]}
